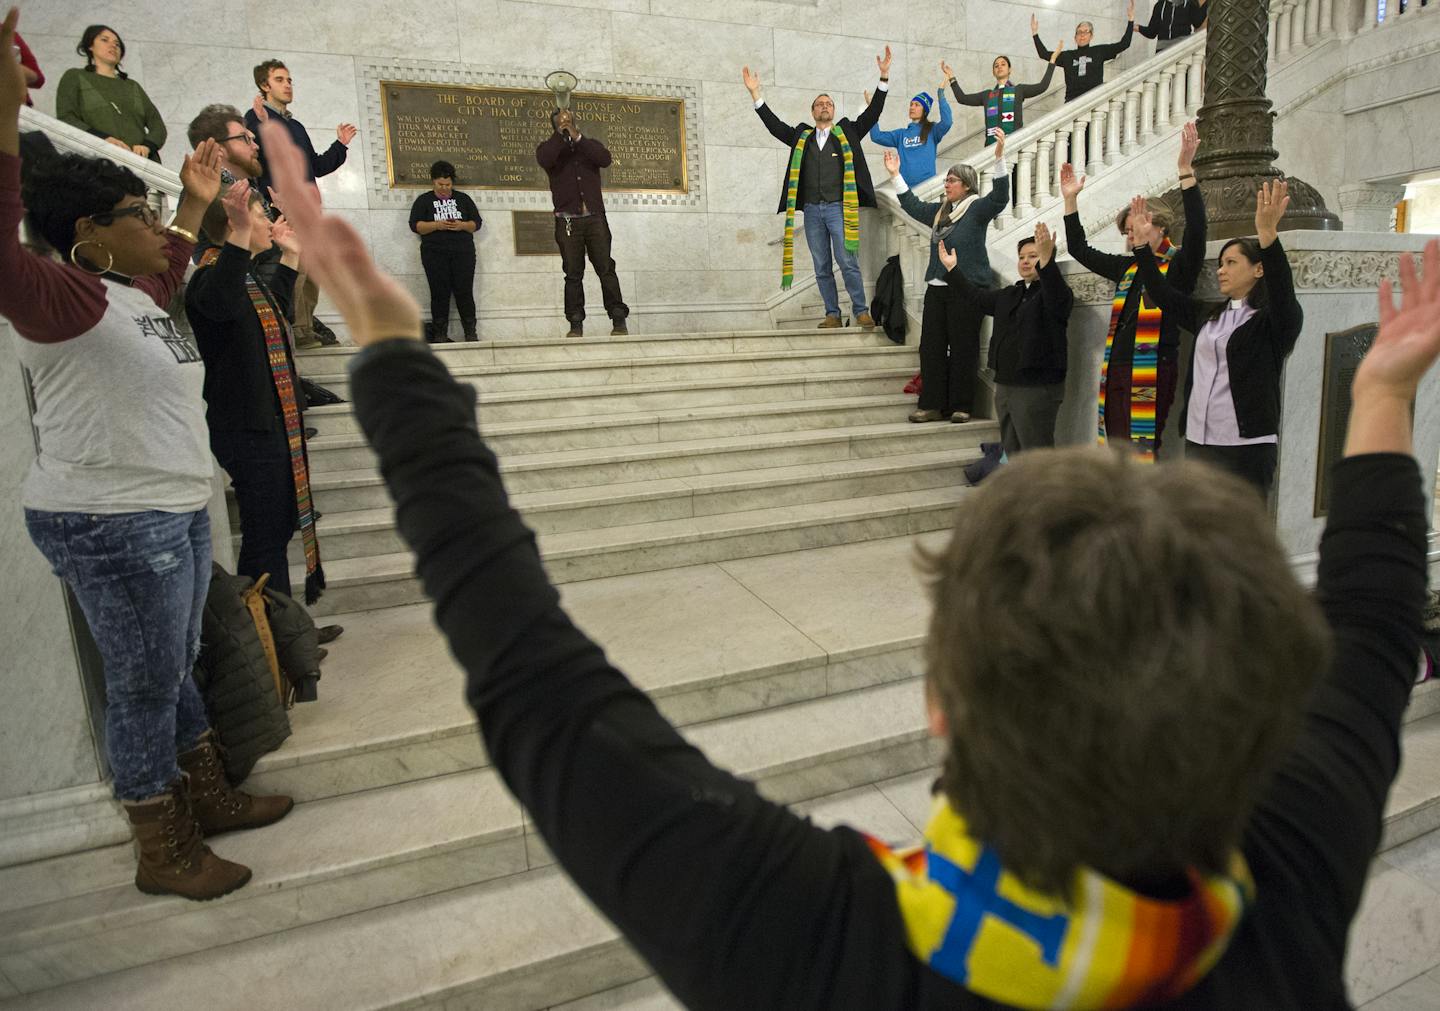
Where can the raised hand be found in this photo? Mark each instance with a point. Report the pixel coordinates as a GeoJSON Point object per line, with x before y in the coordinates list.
{"type": "Point", "coordinates": [200, 172]}
{"type": "Point", "coordinates": [1189, 144]}
{"type": "Point", "coordinates": [892, 163]}
{"type": "Point", "coordinates": [948, 256]}
{"type": "Point", "coordinates": [345, 133]}
{"type": "Point", "coordinates": [947, 71]}
{"type": "Point", "coordinates": [1271, 201]}
{"type": "Point", "coordinates": [883, 62]}
{"type": "Point", "coordinates": [374, 306]}
{"type": "Point", "coordinates": [1409, 338]}
{"type": "Point", "coordinates": [1034, 25]}
{"type": "Point", "coordinates": [1059, 48]}
{"type": "Point", "coordinates": [1070, 183]}
{"type": "Point", "coordinates": [1044, 243]}
{"type": "Point", "coordinates": [261, 112]}
{"type": "Point", "coordinates": [284, 236]}
{"type": "Point", "coordinates": [237, 213]}
{"type": "Point", "coordinates": [752, 82]}
{"type": "Point", "coordinates": [1142, 222]}
{"type": "Point", "coordinates": [1130, 10]}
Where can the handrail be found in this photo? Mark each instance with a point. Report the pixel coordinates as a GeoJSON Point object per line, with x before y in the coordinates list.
{"type": "Point", "coordinates": [70, 138]}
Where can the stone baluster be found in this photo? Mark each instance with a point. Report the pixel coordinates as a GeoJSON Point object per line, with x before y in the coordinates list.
{"type": "Point", "coordinates": [1115, 123]}
{"type": "Point", "coordinates": [1372, 15]}
{"type": "Point", "coordinates": [1297, 26]}
{"type": "Point", "coordinates": [1062, 154]}
{"type": "Point", "coordinates": [1024, 179]}
{"type": "Point", "coordinates": [1273, 38]}
{"type": "Point", "coordinates": [1327, 18]}
{"type": "Point", "coordinates": [1045, 173]}
{"type": "Point", "coordinates": [1312, 21]}
{"type": "Point", "coordinates": [1077, 143]}
{"type": "Point", "coordinates": [1195, 86]}
{"type": "Point", "coordinates": [1162, 99]}
{"type": "Point", "coordinates": [1282, 33]}
{"type": "Point", "coordinates": [1096, 145]}
{"type": "Point", "coordinates": [1132, 121]}
{"type": "Point", "coordinates": [1177, 96]}
{"type": "Point", "coordinates": [1147, 112]}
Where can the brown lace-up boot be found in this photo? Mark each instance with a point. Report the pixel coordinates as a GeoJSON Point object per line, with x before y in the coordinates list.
{"type": "Point", "coordinates": [218, 806]}
{"type": "Point", "coordinates": [174, 859]}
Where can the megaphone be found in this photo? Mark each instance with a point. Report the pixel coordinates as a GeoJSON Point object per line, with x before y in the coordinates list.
{"type": "Point", "coordinates": [562, 82]}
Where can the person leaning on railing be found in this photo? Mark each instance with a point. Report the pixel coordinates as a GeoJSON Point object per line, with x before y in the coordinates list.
{"type": "Point", "coordinates": [116, 497]}
{"type": "Point", "coordinates": [1184, 815]}
{"type": "Point", "coordinates": [103, 100]}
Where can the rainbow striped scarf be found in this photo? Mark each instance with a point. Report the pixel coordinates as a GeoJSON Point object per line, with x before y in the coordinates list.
{"type": "Point", "coordinates": [850, 204]}
{"type": "Point", "coordinates": [977, 925]}
{"type": "Point", "coordinates": [277, 350]}
{"type": "Point", "coordinates": [1144, 361]}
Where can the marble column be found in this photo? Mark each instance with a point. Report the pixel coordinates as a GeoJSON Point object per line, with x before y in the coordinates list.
{"type": "Point", "coordinates": [1367, 207]}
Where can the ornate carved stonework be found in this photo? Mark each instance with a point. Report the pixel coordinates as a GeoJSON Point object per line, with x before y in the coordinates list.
{"type": "Point", "coordinates": [1368, 208]}
{"type": "Point", "coordinates": [1091, 289]}
{"type": "Point", "coordinates": [1237, 127]}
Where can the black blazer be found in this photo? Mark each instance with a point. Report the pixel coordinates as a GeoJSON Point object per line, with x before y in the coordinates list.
{"type": "Point", "coordinates": [856, 130]}
{"type": "Point", "coordinates": [1039, 317]}
{"type": "Point", "coordinates": [1256, 352]}
{"type": "Point", "coordinates": [1184, 266]}
{"type": "Point", "coordinates": [239, 387]}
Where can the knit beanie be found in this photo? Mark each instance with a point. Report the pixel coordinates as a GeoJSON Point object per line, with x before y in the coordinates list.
{"type": "Point", "coordinates": [925, 100]}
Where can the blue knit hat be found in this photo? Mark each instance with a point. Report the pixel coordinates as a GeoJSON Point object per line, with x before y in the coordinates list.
{"type": "Point", "coordinates": [924, 100]}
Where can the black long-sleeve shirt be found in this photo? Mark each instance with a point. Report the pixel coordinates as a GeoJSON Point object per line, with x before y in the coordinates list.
{"type": "Point", "coordinates": [991, 101]}
{"type": "Point", "coordinates": [856, 131]}
{"type": "Point", "coordinates": [574, 170]}
{"type": "Point", "coordinates": [1256, 352]}
{"type": "Point", "coordinates": [1084, 66]}
{"type": "Point", "coordinates": [1029, 344]}
{"type": "Point", "coordinates": [1170, 20]}
{"type": "Point", "coordinates": [738, 903]}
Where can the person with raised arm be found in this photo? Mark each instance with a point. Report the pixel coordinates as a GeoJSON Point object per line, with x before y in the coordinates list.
{"type": "Point", "coordinates": [1172, 849]}
{"type": "Point", "coordinates": [1173, 21]}
{"type": "Point", "coordinates": [1029, 346]}
{"type": "Point", "coordinates": [828, 181]}
{"type": "Point", "coordinates": [950, 325]}
{"type": "Point", "coordinates": [918, 142]}
{"type": "Point", "coordinates": [1140, 367]}
{"type": "Point", "coordinates": [116, 497]}
{"type": "Point", "coordinates": [1004, 103]}
{"type": "Point", "coordinates": [1232, 386]}
{"type": "Point", "coordinates": [1084, 66]}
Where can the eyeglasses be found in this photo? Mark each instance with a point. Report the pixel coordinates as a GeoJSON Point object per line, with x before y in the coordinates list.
{"type": "Point", "coordinates": [147, 216]}
{"type": "Point", "coordinates": [247, 138]}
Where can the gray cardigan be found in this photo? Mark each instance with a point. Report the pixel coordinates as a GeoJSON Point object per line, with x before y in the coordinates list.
{"type": "Point", "coordinates": [967, 236]}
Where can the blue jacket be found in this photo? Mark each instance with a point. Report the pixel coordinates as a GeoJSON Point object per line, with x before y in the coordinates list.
{"type": "Point", "coordinates": [315, 164]}
{"type": "Point", "coordinates": [968, 236]}
{"type": "Point", "coordinates": [917, 158]}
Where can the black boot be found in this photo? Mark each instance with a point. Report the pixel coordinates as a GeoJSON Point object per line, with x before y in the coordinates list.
{"type": "Point", "coordinates": [468, 327]}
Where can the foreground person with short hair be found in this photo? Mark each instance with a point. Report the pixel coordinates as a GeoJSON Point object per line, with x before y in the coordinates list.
{"type": "Point", "coordinates": [1167, 792]}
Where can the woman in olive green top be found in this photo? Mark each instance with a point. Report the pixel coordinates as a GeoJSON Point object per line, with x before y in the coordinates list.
{"type": "Point", "coordinates": [102, 100]}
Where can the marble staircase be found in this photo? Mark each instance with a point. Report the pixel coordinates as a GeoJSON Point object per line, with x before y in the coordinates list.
{"type": "Point", "coordinates": [645, 453]}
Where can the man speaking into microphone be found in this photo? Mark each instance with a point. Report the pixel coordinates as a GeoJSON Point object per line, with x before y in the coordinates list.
{"type": "Point", "coordinates": [573, 163]}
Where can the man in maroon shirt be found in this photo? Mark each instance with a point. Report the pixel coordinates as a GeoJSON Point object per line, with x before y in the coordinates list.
{"type": "Point", "coordinates": [573, 163]}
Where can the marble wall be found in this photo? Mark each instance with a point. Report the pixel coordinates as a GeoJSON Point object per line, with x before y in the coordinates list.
{"type": "Point", "coordinates": [706, 266]}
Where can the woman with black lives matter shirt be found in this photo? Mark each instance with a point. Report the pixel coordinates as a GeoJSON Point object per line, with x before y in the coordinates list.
{"type": "Point", "coordinates": [446, 221]}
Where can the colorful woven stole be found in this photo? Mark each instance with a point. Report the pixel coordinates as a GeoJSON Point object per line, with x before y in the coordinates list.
{"type": "Point", "coordinates": [1000, 111]}
{"type": "Point", "coordinates": [849, 204]}
{"type": "Point", "coordinates": [277, 350]}
{"type": "Point", "coordinates": [977, 925]}
{"type": "Point", "coordinates": [1144, 360]}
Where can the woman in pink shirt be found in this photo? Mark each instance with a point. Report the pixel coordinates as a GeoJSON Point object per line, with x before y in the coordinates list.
{"type": "Point", "coordinates": [116, 497]}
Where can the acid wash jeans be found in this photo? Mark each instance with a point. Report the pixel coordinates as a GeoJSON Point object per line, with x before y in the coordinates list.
{"type": "Point", "coordinates": [141, 580]}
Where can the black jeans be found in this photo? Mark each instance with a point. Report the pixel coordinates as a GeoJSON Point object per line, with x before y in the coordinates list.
{"type": "Point", "coordinates": [450, 272]}
{"type": "Point", "coordinates": [1254, 463]}
{"type": "Point", "coordinates": [949, 351]}
{"type": "Point", "coordinates": [1027, 415]}
{"type": "Point", "coordinates": [577, 239]}
{"type": "Point", "coordinates": [259, 467]}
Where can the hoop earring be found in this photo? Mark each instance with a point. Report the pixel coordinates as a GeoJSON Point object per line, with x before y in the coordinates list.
{"type": "Point", "coordinates": [94, 273]}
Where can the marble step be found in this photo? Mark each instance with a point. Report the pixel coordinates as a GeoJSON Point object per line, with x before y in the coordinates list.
{"type": "Point", "coordinates": [378, 581]}
{"type": "Point", "coordinates": [690, 393]}
{"type": "Point", "coordinates": [329, 361]}
{"type": "Point", "coordinates": [547, 434]}
{"type": "Point", "coordinates": [556, 376]}
{"type": "Point", "coordinates": [684, 458]}
{"type": "Point", "coordinates": [360, 520]}
{"type": "Point", "coordinates": [334, 858]}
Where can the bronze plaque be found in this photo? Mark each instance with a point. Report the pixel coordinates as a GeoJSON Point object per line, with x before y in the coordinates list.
{"type": "Point", "coordinates": [490, 135]}
{"type": "Point", "coordinates": [1344, 351]}
{"type": "Point", "coordinates": [534, 233]}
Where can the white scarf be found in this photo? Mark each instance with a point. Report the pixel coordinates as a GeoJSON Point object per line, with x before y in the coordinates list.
{"type": "Point", "coordinates": [956, 213]}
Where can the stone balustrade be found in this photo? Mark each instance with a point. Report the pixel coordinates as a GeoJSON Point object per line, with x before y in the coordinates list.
{"type": "Point", "coordinates": [69, 138]}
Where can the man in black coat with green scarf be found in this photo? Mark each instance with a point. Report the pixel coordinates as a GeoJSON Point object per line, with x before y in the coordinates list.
{"type": "Point", "coordinates": [829, 182]}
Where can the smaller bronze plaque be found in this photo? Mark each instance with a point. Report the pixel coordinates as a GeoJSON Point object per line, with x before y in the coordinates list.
{"type": "Point", "coordinates": [1344, 351]}
{"type": "Point", "coordinates": [534, 233]}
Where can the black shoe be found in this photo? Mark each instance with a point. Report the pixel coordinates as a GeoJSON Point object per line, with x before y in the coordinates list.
{"type": "Point", "coordinates": [619, 329]}
{"type": "Point", "coordinates": [472, 336]}
{"type": "Point", "coordinates": [321, 654]}
{"type": "Point", "coordinates": [328, 633]}
{"type": "Point", "coordinates": [326, 335]}
{"type": "Point", "coordinates": [310, 433]}
{"type": "Point", "coordinates": [576, 330]}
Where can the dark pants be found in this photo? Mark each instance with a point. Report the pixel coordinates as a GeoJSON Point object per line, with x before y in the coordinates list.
{"type": "Point", "coordinates": [949, 351]}
{"type": "Point", "coordinates": [1027, 415]}
{"type": "Point", "coordinates": [450, 272]}
{"type": "Point", "coordinates": [577, 239]}
{"type": "Point", "coordinates": [1254, 463]}
{"type": "Point", "coordinates": [259, 467]}
{"type": "Point", "coordinates": [1117, 402]}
